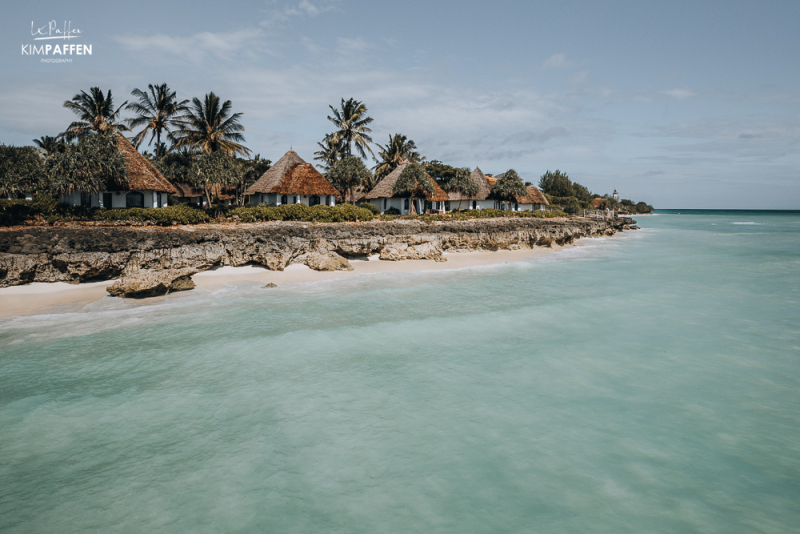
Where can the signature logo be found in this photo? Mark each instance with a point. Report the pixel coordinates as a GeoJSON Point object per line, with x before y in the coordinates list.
{"type": "Point", "coordinates": [52, 31]}
{"type": "Point", "coordinates": [62, 32]}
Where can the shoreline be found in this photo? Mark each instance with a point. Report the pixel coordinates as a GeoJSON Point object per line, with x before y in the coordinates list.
{"type": "Point", "coordinates": [59, 297]}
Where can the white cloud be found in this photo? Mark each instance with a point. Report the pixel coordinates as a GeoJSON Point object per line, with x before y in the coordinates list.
{"type": "Point", "coordinates": [679, 94]}
{"type": "Point", "coordinates": [196, 47]}
{"type": "Point", "coordinates": [557, 61]}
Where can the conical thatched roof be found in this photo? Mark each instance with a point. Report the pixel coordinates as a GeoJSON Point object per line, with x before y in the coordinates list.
{"type": "Point", "coordinates": [385, 186]}
{"type": "Point", "coordinates": [534, 196]}
{"type": "Point", "coordinates": [142, 175]}
{"type": "Point", "coordinates": [483, 187]}
{"type": "Point", "coordinates": [292, 176]}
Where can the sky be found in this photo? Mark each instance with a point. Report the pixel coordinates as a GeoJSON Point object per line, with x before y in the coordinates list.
{"type": "Point", "coordinates": [681, 104]}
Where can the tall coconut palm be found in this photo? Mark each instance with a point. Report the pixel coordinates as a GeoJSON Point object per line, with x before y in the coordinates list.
{"type": "Point", "coordinates": [352, 128]}
{"type": "Point", "coordinates": [49, 144]}
{"type": "Point", "coordinates": [159, 111]}
{"type": "Point", "coordinates": [398, 150]}
{"type": "Point", "coordinates": [96, 112]}
{"type": "Point", "coordinates": [330, 151]}
{"type": "Point", "coordinates": [209, 126]}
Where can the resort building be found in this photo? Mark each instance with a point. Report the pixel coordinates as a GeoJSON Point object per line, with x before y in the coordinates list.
{"type": "Point", "coordinates": [189, 195]}
{"type": "Point", "coordinates": [147, 188]}
{"type": "Point", "coordinates": [534, 200]}
{"type": "Point", "coordinates": [482, 200]}
{"type": "Point", "coordinates": [479, 201]}
{"type": "Point", "coordinates": [292, 181]}
{"type": "Point", "coordinates": [384, 199]}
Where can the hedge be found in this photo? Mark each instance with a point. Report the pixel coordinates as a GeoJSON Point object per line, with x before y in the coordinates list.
{"type": "Point", "coordinates": [301, 212]}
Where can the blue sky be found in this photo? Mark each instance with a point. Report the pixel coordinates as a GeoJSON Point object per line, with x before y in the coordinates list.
{"type": "Point", "coordinates": [681, 104]}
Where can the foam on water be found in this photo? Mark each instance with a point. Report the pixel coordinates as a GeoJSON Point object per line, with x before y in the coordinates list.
{"type": "Point", "coordinates": [648, 382]}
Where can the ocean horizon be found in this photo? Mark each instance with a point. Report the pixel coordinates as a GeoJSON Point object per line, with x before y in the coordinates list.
{"type": "Point", "coordinates": [644, 382]}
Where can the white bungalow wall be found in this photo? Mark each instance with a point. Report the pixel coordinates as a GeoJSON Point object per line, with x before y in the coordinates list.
{"type": "Point", "coordinates": [385, 204]}
{"type": "Point", "coordinates": [118, 199]}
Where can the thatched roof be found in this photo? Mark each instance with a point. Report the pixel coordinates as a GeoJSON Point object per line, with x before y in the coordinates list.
{"type": "Point", "coordinates": [385, 186]}
{"type": "Point", "coordinates": [142, 175]}
{"type": "Point", "coordinates": [534, 196]}
{"type": "Point", "coordinates": [292, 176]}
{"type": "Point", "coordinates": [483, 187]}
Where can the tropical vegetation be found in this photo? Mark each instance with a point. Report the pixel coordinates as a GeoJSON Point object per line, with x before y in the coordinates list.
{"type": "Point", "coordinates": [352, 127]}
{"type": "Point", "coordinates": [400, 149]}
{"type": "Point", "coordinates": [199, 142]}
{"type": "Point", "coordinates": [414, 182]}
{"type": "Point", "coordinates": [349, 174]}
{"type": "Point", "coordinates": [159, 112]}
{"type": "Point", "coordinates": [95, 113]}
{"type": "Point", "coordinates": [209, 126]}
{"type": "Point", "coordinates": [509, 187]}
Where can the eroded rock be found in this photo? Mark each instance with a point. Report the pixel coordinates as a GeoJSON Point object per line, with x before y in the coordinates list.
{"type": "Point", "coordinates": [152, 283]}
{"type": "Point", "coordinates": [324, 262]}
{"type": "Point", "coordinates": [76, 254]}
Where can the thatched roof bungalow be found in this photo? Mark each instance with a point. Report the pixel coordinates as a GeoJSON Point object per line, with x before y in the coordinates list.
{"type": "Point", "coordinates": [384, 199]}
{"type": "Point", "coordinates": [147, 188]}
{"type": "Point", "coordinates": [292, 181]}
{"type": "Point", "coordinates": [479, 201]}
{"type": "Point", "coordinates": [532, 201]}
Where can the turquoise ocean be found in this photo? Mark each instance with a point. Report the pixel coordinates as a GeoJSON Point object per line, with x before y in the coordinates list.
{"type": "Point", "coordinates": [647, 382]}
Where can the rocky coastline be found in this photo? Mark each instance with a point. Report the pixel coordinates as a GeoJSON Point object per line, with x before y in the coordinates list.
{"type": "Point", "coordinates": [151, 261]}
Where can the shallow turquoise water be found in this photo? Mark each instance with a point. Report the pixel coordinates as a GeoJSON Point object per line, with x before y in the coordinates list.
{"type": "Point", "coordinates": [648, 382]}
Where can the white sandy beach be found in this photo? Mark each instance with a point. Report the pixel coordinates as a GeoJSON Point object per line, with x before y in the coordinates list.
{"type": "Point", "coordinates": [57, 297]}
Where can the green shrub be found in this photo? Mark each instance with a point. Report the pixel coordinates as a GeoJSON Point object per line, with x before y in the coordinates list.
{"type": "Point", "coordinates": [180, 214]}
{"type": "Point", "coordinates": [301, 212]}
{"type": "Point", "coordinates": [392, 211]}
{"type": "Point", "coordinates": [370, 206]}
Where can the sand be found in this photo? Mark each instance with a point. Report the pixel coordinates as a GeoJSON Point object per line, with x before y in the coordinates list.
{"type": "Point", "coordinates": [38, 298]}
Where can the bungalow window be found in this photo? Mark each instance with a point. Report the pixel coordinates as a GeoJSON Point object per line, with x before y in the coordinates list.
{"type": "Point", "coordinates": [108, 200]}
{"type": "Point", "coordinates": [284, 199]}
{"type": "Point", "coordinates": [474, 204]}
{"type": "Point", "coordinates": [313, 201]}
{"type": "Point", "coordinates": [295, 199]}
{"type": "Point", "coordinates": [86, 200]}
{"type": "Point", "coordinates": [405, 204]}
{"type": "Point", "coordinates": [134, 199]}
{"type": "Point", "coordinates": [516, 207]}
{"type": "Point", "coordinates": [328, 200]}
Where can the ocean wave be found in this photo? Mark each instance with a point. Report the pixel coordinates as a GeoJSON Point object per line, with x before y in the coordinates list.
{"type": "Point", "coordinates": [747, 222]}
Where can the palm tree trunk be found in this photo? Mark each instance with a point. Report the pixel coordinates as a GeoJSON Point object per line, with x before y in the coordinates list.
{"type": "Point", "coordinates": [208, 195]}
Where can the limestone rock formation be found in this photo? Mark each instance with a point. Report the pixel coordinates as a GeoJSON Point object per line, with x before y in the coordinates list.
{"type": "Point", "coordinates": [151, 283]}
{"type": "Point", "coordinates": [149, 260]}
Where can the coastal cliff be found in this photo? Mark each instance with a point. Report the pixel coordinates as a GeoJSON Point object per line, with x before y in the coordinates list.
{"type": "Point", "coordinates": [150, 260]}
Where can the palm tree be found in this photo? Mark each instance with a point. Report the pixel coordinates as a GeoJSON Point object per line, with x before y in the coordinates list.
{"type": "Point", "coordinates": [508, 188]}
{"type": "Point", "coordinates": [158, 111]}
{"type": "Point", "coordinates": [49, 144]}
{"type": "Point", "coordinates": [398, 150]}
{"type": "Point", "coordinates": [209, 126]}
{"type": "Point", "coordinates": [352, 122]}
{"type": "Point", "coordinates": [330, 151]}
{"type": "Point", "coordinates": [414, 182]}
{"type": "Point", "coordinates": [96, 112]}
{"type": "Point", "coordinates": [463, 184]}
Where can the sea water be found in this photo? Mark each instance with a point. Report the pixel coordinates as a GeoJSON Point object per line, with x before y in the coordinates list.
{"type": "Point", "coordinates": [646, 382]}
